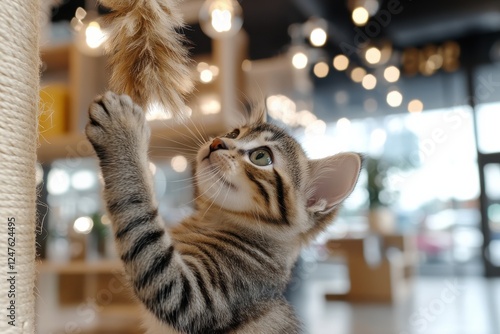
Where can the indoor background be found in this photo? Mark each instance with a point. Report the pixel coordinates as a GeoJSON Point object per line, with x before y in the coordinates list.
{"type": "Point", "coordinates": [413, 85]}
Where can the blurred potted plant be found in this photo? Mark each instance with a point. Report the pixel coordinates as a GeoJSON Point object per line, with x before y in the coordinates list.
{"type": "Point", "coordinates": [380, 218]}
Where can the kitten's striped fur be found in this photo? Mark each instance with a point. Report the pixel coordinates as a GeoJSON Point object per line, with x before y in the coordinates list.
{"type": "Point", "coordinates": [223, 269]}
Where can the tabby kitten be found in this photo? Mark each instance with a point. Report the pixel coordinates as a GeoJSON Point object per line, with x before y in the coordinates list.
{"type": "Point", "coordinates": [223, 269]}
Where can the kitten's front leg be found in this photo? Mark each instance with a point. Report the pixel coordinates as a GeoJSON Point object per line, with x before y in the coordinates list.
{"type": "Point", "coordinates": [120, 136]}
{"type": "Point", "coordinates": [168, 287]}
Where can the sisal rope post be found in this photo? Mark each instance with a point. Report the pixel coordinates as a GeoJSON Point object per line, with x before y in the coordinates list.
{"type": "Point", "coordinates": [19, 91]}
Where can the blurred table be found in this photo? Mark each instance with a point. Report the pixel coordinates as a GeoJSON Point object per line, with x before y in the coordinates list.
{"type": "Point", "coordinates": [380, 266]}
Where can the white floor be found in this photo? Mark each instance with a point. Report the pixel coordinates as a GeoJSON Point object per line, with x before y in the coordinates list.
{"type": "Point", "coordinates": [443, 305]}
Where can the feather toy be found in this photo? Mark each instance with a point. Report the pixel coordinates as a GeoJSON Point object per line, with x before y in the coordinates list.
{"type": "Point", "coordinates": [147, 55]}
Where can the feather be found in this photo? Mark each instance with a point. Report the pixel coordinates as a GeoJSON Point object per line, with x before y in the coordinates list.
{"type": "Point", "coordinates": [148, 58]}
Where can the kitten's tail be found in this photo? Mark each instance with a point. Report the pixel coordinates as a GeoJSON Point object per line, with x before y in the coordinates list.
{"type": "Point", "coordinates": [147, 55]}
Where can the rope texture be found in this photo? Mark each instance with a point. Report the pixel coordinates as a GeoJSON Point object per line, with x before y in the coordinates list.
{"type": "Point", "coordinates": [19, 87]}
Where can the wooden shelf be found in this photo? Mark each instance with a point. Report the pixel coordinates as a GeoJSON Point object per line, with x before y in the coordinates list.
{"type": "Point", "coordinates": [56, 58]}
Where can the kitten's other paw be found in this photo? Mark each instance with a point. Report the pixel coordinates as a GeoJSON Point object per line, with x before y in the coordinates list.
{"type": "Point", "coordinates": [116, 122]}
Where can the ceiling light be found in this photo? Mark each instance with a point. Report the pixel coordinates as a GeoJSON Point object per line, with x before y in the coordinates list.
{"type": "Point", "coordinates": [394, 98]}
{"type": "Point", "coordinates": [358, 74]}
{"type": "Point", "coordinates": [369, 82]}
{"type": "Point", "coordinates": [340, 62]}
{"type": "Point", "coordinates": [321, 69]}
{"type": "Point", "coordinates": [220, 18]}
{"type": "Point", "coordinates": [415, 106]}
{"type": "Point", "coordinates": [206, 76]}
{"type": "Point", "coordinates": [360, 16]}
{"type": "Point", "coordinates": [373, 55]}
{"type": "Point", "coordinates": [391, 74]}
{"type": "Point", "coordinates": [318, 37]}
{"type": "Point", "coordinates": [300, 60]}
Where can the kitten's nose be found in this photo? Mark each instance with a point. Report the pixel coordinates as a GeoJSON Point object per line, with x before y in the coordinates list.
{"type": "Point", "coordinates": [217, 144]}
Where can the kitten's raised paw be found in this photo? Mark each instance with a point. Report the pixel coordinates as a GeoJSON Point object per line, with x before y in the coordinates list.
{"type": "Point", "coordinates": [115, 121]}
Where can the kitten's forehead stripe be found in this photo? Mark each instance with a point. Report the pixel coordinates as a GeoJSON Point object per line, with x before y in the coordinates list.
{"type": "Point", "coordinates": [285, 144]}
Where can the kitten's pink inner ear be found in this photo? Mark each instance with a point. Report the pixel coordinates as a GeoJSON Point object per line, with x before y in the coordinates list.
{"type": "Point", "coordinates": [333, 179]}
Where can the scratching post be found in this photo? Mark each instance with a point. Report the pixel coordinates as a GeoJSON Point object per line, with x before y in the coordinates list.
{"type": "Point", "coordinates": [19, 91]}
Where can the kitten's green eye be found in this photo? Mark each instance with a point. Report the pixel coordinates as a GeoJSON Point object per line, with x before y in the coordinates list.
{"type": "Point", "coordinates": [261, 157]}
{"type": "Point", "coordinates": [232, 135]}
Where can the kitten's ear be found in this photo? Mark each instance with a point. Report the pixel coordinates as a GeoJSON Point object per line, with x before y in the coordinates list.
{"type": "Point", "coordinates": [332, 180]}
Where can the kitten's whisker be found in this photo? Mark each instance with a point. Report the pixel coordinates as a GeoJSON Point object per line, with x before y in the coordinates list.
{"type": "Point", "coordinates": [213, 184]}
{"type": "Point", "coordinates": [202, 177]}
{"type": "Point", "coordinates": [161, 147]}
{"type": "Point", "coordinates": [172, 128]}
{"type": "Point", "coordinates": [198, 175]}
{"type": "Point", "coordinates": [203, 138]}
{"type": "Point", "coordinates": [213, 199]}
{"type": "Point", "coordinates": [225, 197]}
{"type": "Point", "coordinates": [175, 141]}
{"type": "Point", "coordinates": [195, 137]}
{"type": "Point", "coordinates": [183, 188]}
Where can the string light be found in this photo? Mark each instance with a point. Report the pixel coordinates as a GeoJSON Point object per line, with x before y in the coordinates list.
{"type": "Point", "coordinates": [206, 76]}
{"type": "Point", "coordinates": [83, 225]}
{"type": "Point", "coordinates": [300, 60]}
{"type": "Point", "coordinates": [340, 62]}
{"type": "Point", "coordinates": [369, 82]}
{"type": "Point", "coordinates": [321, 69]}
{"type": "Point", "coordinates": [394, 98]}
{"type": "Point", "coordinates": [391, 74]}
{"type": "Point", "coordinates": [358, 74]}
{"type": "Point", "coordinates": [360, 16]}
{"type": "Point", "coordinates": [220, 18]}
{"type": "Point", "coordinates": [373, 55]}
{"type": "Point", "coordinates": [318, 37]}
{"type": "Point", "coordinates": [415, 106]}
{"type": "Point", "coordinates": [207, 72]}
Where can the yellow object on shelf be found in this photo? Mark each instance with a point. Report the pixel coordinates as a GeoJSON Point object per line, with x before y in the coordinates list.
{"type": "Point", "coordinates": [54, 104]}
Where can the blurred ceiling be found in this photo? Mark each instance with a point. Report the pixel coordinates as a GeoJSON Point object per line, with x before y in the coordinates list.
{"type": "Point", "coordinates": [416, 22]}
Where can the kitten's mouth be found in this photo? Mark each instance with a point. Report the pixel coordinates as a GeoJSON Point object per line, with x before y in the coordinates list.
{"type": "Point", "coordinates": [208, 155]}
